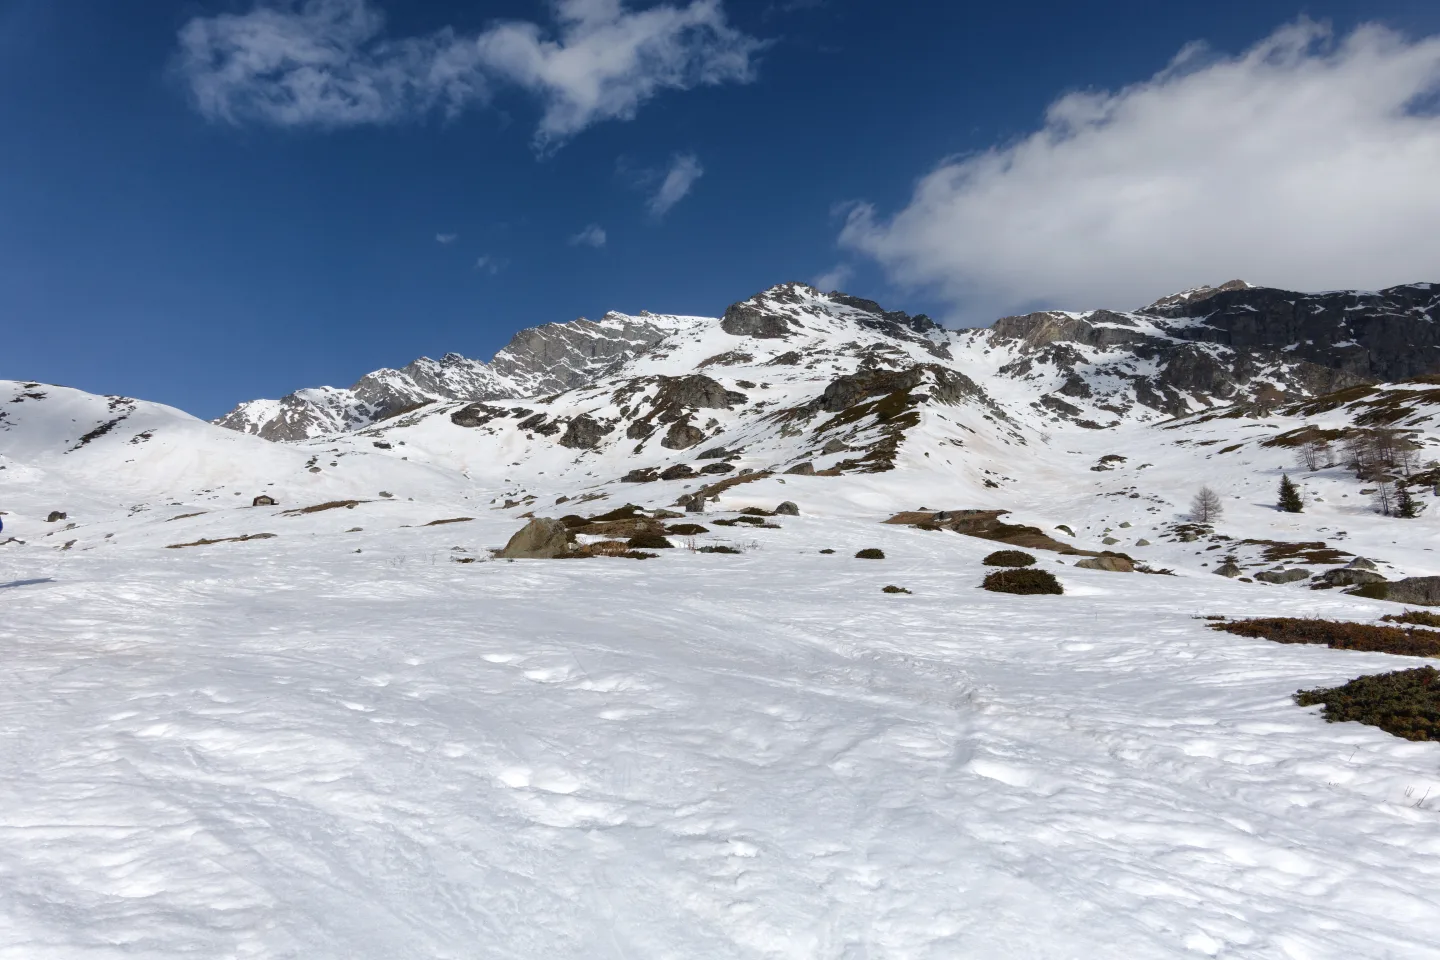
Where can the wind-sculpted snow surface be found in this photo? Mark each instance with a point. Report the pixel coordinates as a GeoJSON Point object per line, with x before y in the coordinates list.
{"type": "Point", "coordinates": [287, 748]}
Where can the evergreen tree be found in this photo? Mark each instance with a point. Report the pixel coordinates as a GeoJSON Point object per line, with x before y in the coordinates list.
{"type": "Point", "coordinates": [1290, 500]}
{"type": "Point", "coordinates": [1405, 505]}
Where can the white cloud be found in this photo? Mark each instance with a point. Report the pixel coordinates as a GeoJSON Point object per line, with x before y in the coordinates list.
{"type": "Point", "coordinates": [445, 239]}
{"type": "Point", "coordinates": [325, 63]}
{"type": "Point", "coordinates": [833, 279]}
{"type": "Point", "coordinates": [490, 265]}
{"type": "Point", "coordinates": [684, 170]}
{"type": "Point", "coordinates": [1306, 162]}
{"type": "Point", "coordinates": [321, 63]}
{"type": "Point", "coordinates": [591, 236]}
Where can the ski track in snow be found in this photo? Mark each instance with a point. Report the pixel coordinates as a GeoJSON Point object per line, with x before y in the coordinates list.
{"type": "Point", "coordinates": [277, 750]}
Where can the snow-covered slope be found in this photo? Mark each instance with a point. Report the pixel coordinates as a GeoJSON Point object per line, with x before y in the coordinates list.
{"type": "Point", "coordinates": [335, 727]}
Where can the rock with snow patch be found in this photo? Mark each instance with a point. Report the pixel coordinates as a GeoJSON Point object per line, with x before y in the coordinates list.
{"type": "Point", "coordinates": [540, 539]}
{"type": "Point", "coordinates": [788, 509]}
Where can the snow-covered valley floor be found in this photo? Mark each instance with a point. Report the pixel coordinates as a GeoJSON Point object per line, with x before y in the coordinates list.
{"type": "Point", "coordinates": [285, 748]}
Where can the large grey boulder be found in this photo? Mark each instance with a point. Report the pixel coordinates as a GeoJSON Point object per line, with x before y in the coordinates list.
{"type": "Point", "coordinates": [1228, 570]}
{"type": "Point", "coordinates": [1421, 591]}
{"type": "Point", "coordinates": [1293, 575]}
{"type": "Point", "coordinates": [787, 509]}
{"type": "Point", "coordinates": [1346, 577]}
{"type": "Point", "coordinates": [1111, 564]}
{"type": "Point", "coordinates": [682, 435]}
{"type": "Point", "coordinates": [584, 433]}
{"type": "Point", "coordinates": [1360, 563]}
{"type": "Point", "coordinates": [540, 539]}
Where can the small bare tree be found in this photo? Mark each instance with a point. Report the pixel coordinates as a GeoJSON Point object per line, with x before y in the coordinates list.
{"type": "Point", "coordinates": [1384, 496]}
{"type": "Point", "coordinates": [1206, 507]}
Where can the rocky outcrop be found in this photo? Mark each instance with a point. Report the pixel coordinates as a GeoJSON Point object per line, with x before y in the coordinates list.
{"type": "Point", "coordinates": [540, 539]}
{"type": "Point", "coordinates": [584, 433]}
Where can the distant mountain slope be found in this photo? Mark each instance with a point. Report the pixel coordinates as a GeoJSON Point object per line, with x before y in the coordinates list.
{"type": "Point", "coordinates": [539, 360]}
{"type": "Point", "coordinates": [1184, 353]}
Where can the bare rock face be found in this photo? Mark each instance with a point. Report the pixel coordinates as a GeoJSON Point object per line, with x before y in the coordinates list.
{"type": "Point", "coordinates": [540, 539]}
{"type": "Point", "coordinates": [746, 320]}
{"type": "Point", "coordinates": [682, 435]}
{"type": "Point", "coordinates": [1421, 591]}
{"type": "Point", "coordinates": [1228, 570]}
{"type": "Point", "coordinates": [584, 433]}
{"type": "Point", "coordinates": [787, 509]}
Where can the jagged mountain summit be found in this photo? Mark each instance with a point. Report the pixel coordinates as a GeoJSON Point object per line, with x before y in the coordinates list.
{"type": "Point", "coordinates": [1183, 353]}
{"type": "Point", "coordinates": [539, 360]}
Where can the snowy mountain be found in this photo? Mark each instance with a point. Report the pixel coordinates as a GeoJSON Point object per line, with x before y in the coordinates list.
{"type": "Point", "coordinates": [273, 699]}
{"type": "Point", "coordinates": [1182, 353]}
{"type": "Point", "coordinates": [539, 360]}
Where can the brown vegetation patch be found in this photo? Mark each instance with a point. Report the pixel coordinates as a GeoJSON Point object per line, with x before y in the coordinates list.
{"type": "Point", "coordinates": [1405, 703]}
{"type": "Point", "coordinates": [206, 543]}
{"type": "Point", "coordinates": [321, 507]}
{"type": "Point", "coordinates": [686, 529]}
{"type": "Point", "coordinates": [441, 523]}
{"type": "Point", "coordinates": [1417, 617]}
{"type": "Point", "coordinates": [1340, 635]}
{"type": "Point", "coordinates": [1314, 551]}
{"type": "Point", "coordinates": [987, 525]}
{"type": "Point", "coordinates": [1027, 581]}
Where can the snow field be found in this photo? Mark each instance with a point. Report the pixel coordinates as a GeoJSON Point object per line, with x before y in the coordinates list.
{"type": "Point", "coordinates": [283, 748]}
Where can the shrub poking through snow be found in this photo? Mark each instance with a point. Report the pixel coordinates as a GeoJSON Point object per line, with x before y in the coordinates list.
{"type": "Point", "coordinates": [870, 553]}
{"type": "Point", "coordinates": [1405, 703]}
{"type": "Point", "coordinates": [1340, 635]}
{"type": "Point", "coordinates": [649, 541]}
{"type": "Point", "coordinates": [1417, 617]}
{"type": "Point", "coordinates": [719, 548]}
{"type": "Point", "coordinates": [894, 589]}
{"type": "Point", "coordinates": [1022, 581]}
{"type": "Point", "coordinates": [1009, 558]}
{"type": "Point", "coordinates": [827, 550]}
{"type": "Point", "coordinates": [686, 529]}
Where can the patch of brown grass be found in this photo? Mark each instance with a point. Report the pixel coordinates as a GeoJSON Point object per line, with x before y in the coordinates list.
{"type": "Point", "coordinates": [322, 507]}
{"type": "Point", "coordinates": [206, 543]}
{"type": "Point", "coordinates": [1337, 634]}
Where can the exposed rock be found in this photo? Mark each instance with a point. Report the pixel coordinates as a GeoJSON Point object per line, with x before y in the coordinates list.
{"type": "Point", "coordinates": [584, 433]}
{"type": "Point", "coordinates": [714, 469]}
{"type": "Point", "coordinates": [806, 469]}
{"type": "Point", "coordinates": [834, 446]}
{"type": "Point", "coordinates": [682, 436]}
{"type": "Point", "coordinates": [748, 320]}
{"type": "Point", "coordinates": [1109, 541]}
{"type": "Point", "coordinates": [471, 415]}
{"type": "Point", "coordinates": [641, 475]}
{"type": "Point", "coordinates": [1421, 591]}
{"type": "Point", "coordinates": [1063, 528]}
{"type": "Point", "coordinates": [56, 516]}
{"type": "Point", "coordinates": [1346, 577]}
{"type": "Point", "coordinates": [1112, 564]}
{"type": "Point", "coordinates": [681, 471]}
{"type": "Point", "coordinates": [787, 509]}
{"type": "Point", "coordinates": [716, 453]}
{"type": "Point", "coordinates": [540, 539]}
{"type": "Point", "coordinates": [263, 501]}
{"type": "Point", "coordinates": [1228, 570]}
{"type": "Point", "coordinates": [1293, 575]}
{"type": "Point", "coordinates": [1360, 563]}
{"type": "Point", "coordinates": [1142, 543]}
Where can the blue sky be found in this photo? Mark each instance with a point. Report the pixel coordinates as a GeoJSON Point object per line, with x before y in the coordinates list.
{"type": "Point", "coordinates": [208, 201]}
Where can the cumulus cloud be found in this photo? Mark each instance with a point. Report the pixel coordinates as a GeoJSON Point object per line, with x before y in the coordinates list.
{"type": "Point", "coordinates": [326, 63]}
{"type": "Point", "coordinates": [1307, 162]}
{"type": "Point", "coordinates": [684, 170]}
{"type": "Point", "coordinates": [607, 61]}
{"type": "Point", "coordinates": [591, 236]}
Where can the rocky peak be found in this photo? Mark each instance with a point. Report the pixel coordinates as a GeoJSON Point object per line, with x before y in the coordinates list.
{"type": "Point", "coordinates": [1187, 298]}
